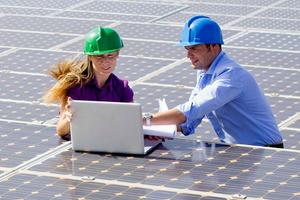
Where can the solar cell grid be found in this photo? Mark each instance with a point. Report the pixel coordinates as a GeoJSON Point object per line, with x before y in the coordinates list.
{"type": "Point", "coordinates": [106, 16]}
{"type": "Point", "coordinates": [27, 186]}
{"type": "Point", "coordinates": [173, 96]}
{"type": "Point", "coordinates": [271, 24]}
{"type": "Point", "coordinates": [289, 4]}
{"type": "Point", "coordinates": [23, 87]}
{"type": "Point", "coordinates": [24, 11]}
{"type": "Point", "coordinates": [268, 41]}
{"type": "Point", "coordinates": [280, 13]}
{"type": "Point", "coordinates": [48, 24]}
{"type": "Point", "coordinates": [31, 40]}
{"type": "Point", "coordinates": [32, 61]}
{"type": "Point", "coordinates": [144, 8]}
{"type": "Point", "coordinates": [27, 112]}
{"type": "Point", "coordinates": [155, 31]}
{"type": "Point", "coordinates": [273, 80]}
{"type": "Point", "coordinates": [189, 164]}
{"type": "Point", "coordinates": [264, 58]}
{"type": "Point", "coordinates": [40, 4]}
{"type": "Point", "coordinates": [181, 17]}
{"type": "Point", "coordinates": [220, 9]}
{"type": "Point", "coordinates": [21, 142]}
{"type": "Point", "coordinates": [283, 108]}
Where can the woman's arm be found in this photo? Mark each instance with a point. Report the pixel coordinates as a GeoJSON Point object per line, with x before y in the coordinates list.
{"type": "Point", "coordinates": [63, 124]}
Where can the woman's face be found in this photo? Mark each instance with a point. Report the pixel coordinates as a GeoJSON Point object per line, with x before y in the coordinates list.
{"type": "Point", "coordinates": [105, 63]}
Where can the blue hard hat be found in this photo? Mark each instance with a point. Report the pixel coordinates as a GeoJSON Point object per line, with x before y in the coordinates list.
{"type": "Point", "coordinates": [200, 30]}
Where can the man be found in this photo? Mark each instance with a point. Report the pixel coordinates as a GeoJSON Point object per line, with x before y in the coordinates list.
{"type": "Point", "coordinates": [225, 93]}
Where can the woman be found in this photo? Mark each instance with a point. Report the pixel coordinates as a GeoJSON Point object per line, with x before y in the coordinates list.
{"type": "Point", "coordinates": [89, 79]}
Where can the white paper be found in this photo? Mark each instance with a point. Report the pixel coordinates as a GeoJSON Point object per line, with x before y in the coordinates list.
{"type": "Point", "coordinates": [168, 131]}
{"type": "Point", "coordinates": [162, 105]}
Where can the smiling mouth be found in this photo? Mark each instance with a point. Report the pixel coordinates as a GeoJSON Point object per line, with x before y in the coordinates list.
{"type": "Point", "coordinates": [194, 62]}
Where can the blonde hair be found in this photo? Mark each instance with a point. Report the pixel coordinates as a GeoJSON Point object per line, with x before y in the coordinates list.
{"type": "Point", "coordinates": [68, 73]}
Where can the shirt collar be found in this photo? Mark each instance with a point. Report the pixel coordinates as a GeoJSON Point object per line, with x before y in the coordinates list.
{"type": "Point", "coordinates": [214, 64]}
{"type": "Point", "coordinates": [108, 84]}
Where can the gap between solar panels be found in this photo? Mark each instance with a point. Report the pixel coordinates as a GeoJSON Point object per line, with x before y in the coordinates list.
{"type": "Point", "coordinates": [168, 14]}
{"type": "Point", "coordinates": [289, 121]}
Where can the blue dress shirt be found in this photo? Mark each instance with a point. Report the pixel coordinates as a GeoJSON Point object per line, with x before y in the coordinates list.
{"type": "Point", "coordinates": [230, 98]}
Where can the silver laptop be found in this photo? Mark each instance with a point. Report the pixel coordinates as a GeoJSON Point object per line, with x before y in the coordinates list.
{"type": "Point", "coordinates": [110, 127]}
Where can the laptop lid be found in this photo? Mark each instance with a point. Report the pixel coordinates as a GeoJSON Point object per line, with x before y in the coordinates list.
{"type": "Point", "coordinates": [110, 127]}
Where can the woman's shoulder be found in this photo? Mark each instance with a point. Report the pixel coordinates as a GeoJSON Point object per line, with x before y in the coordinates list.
{"type": "Point", "coordinates": [74, 91]}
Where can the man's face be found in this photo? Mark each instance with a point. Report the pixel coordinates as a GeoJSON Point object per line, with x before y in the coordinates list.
{"type": "Point", "coordinates": [201, 55]}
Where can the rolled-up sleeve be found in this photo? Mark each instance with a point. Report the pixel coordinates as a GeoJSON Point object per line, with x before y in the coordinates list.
{"type": "Point", "coordinates": [224, 89]}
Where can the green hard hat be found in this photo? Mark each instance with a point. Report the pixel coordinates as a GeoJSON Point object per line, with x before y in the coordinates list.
{"type": "Point", "coordinates": [101, 40]}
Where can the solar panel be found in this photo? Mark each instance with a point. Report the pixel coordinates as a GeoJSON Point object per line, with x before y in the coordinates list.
{"type": "Point", "coordinates": [22, 142]}
{"type": "Point", "coordinates": [187, 164]}
{"type": "Point", "coordinates": [32, 61]}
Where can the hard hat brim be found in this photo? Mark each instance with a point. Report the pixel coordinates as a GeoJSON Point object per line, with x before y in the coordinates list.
{"type": "Point", "coordinates": [101, 52]}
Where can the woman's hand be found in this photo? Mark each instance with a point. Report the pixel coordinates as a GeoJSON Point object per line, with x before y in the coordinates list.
{"type": "Point", "coordinates": [67, 111]}
{"type": "Point", "coordinates": [65, 117]}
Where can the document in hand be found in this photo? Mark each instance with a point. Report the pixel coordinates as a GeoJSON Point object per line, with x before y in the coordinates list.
{"type": "Point", "coordinates": [168, 131]}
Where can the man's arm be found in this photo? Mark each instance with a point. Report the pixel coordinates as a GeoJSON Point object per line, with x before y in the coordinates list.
{"type": "Point", "coordinates": [172, 116]}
